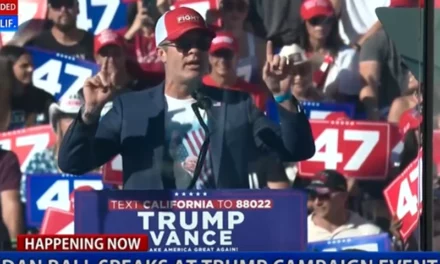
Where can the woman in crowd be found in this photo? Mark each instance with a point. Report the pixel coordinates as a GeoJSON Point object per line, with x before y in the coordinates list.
{"type": "Point", "coordinates": [21, 104]}
{"type": "Point", "coordinates": [410, 99]}
{"type": "Point", "coordinates": [141, 46]}
{"type": "Point", "coordinates": [336, 72]}
{"type": "Point", "coordinates": [252, 48]}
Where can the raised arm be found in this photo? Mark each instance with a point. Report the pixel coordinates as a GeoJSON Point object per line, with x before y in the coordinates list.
{"type": "Point", "coordinates": [292, 138]}
{"type": "Point", "coordinates": [89, 143]}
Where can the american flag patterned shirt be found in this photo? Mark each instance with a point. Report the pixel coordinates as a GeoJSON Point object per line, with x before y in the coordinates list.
{"type": "Point", "coordinates": [185, 137]}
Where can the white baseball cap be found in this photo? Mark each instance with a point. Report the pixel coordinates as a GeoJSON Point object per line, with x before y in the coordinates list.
{"type": "Point", "coordinates": [67, 105]}
{"type": "Point", "coordinates": [295, 53]}
{"type": "Point", "coordinates": [174, 23]}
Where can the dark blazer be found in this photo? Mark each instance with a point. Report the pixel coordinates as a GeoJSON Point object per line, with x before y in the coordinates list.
{"type": "Point", "coordinates": [135, 128]}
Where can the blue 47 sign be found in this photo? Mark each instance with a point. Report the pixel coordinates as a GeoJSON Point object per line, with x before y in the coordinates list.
{"type": "Point", "coordinates": [53, 190]}
{"type": "Point", "coordinates": [60, 74]}
{"type": "Point", "coordinates": [373, 243]}
{"type": "Point", "coordinates": [97, 15]}
{"type": "Point", "coordinates": [320, 110]}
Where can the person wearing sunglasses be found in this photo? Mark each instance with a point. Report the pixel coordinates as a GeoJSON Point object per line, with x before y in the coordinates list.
{"type": "Point", "coordinates": [64, 36]}
{"type": "Point", "coordinates": [330, 218]}
{"type": "Point", "coordinates": [337, 71]}
{"type": "Point", "coordinates": [223, 59]}
{"type": "Point", "coordinates": [160, 132]}
{"type": "Point", "coordinates": [251, 48]}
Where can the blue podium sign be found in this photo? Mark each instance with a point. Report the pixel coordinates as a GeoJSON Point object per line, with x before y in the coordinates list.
{"type": "Point", "coordinates": [230, 220]}
{"type": "Point", "coordinates": [60, 74]}
{"type": "Point", "coordinates": [53, 190]}
{"type": "Point", "coordinates": [376, 243]}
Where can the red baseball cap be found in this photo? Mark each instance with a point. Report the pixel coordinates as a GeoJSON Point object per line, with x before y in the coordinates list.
{"type": "Point", "coordinates": [224, 40]}
{"type": "Point", "coordinates": [107, 37]}
{"type": "Point", "coordinates": [174, 23]}
{"type": "Point", "coordinates": [314, 8]}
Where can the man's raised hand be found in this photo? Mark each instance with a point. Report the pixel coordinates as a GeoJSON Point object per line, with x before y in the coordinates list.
{"type": "Point", "coordinates": [99, 90]}
{"type": "Point", "coordinates": [275, 69]}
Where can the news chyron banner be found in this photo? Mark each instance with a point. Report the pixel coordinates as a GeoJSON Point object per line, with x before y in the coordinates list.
{"type": "Point", "coordinates": [231, 220]}
{"type": "Point", "coordinates": [30, 14]}
{"type": "Point", "coordinates": [8, 15]}
{"type": "Point", "coordinates": [101, 257]}
{"type": "Point", "coordinates": [376, 243]}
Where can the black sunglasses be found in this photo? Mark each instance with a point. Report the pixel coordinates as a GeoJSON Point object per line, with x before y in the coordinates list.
{"type": "Point", "coordinates": [240, 6]}
{"type": "Point", "coordinates": [320, 20]}
{"type": "Point", "coordinates": [57, 4]}
{"type": "Point", "coordinates": [224, 53]}
{"type": "Point", "coordinates": [185, 44]}
{"type": "Point", "coordinates": [314, 195]}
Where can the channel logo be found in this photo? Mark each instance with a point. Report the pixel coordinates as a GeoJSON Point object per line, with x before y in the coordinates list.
{"type": "Point", "coordinates": [8, 15]}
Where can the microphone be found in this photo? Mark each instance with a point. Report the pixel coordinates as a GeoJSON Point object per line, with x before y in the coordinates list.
{"type": "Point", "coordinates": [205, 103]}
{"type": "Point", "coordinates": [202, 101]}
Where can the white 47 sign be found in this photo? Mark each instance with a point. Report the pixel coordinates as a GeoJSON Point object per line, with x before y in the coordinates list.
{"type": "Point", "coordinates": [357, 149]}
{"type": "Point", "coordinates": [58, 194]}
{"type": "Point", "coordinates": [328, 153]}
{"type": "Point", "coordinates": [403, 196]}
{"type": "Point", "coordinates": [84, 19]}
{"type": "Point", "coordinates": [52, 75]}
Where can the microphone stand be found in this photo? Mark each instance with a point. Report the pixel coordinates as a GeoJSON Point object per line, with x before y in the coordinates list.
{"type": "Point", "coordinates": [204, 103]}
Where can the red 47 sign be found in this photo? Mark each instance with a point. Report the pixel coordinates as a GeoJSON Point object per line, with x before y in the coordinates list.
{"type": "Point", "coordinates": [404, 196]}
{"type": "Point", "coordinates": [112, 171]}
{"type": "Point", "coordinates": [27, 142]}
{"type": "Point", "coordinates": [356, 149]}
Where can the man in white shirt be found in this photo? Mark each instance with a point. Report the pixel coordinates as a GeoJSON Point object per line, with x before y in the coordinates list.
{"type": "Point", "coordinates": [358, 19]}
{"type": "Point", "coordinates": [330, 218]}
